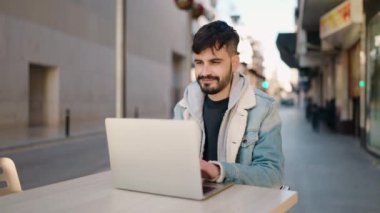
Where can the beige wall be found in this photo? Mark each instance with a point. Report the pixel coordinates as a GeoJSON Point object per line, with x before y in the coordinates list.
{"type": "Point", "coordinates": [85, 19]}
{"type": "Point", "coordinates": [155, 31]}
{"type": "Point", "coordinates": [76, 37]}
{"type": "Point", "coordinates": [341, 87]}
{"type": "Point", "coordinates": [315, 90]}
{"type": "Point", "coordinates": [328, 80]}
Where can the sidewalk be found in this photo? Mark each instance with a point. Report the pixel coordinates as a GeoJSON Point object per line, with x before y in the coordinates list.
{"type": "Point", "coordinates": [14, 138]}
{"type": "Point", "coordinates": [330, 171]}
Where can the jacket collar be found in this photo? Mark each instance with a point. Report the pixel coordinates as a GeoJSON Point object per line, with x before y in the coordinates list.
{"type": "Point", "coordinates": [241, 94]}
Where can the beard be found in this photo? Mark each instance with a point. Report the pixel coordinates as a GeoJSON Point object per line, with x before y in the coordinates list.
{"type": "Point", "coordinates": [221, 82]}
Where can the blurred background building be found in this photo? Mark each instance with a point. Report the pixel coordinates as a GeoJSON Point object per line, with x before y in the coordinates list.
{"type": "Point", "coordinates": [158, 57]}
{"type": "Point", "coordinates": [335, 50]}
{"type": "Point", "coordinates": [56, 56]}
{"type": "Point", "coordinates": [58, 60]}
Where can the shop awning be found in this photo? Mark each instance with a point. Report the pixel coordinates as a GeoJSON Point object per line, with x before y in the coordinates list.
{"type": "Point", "coordinates": [286, 44]}
{"type": "Point", "coordinates": [341, 27]}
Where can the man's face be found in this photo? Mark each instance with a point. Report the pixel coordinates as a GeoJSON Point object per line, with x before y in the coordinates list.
{"type": "Point", "coordinates": [214, 70]}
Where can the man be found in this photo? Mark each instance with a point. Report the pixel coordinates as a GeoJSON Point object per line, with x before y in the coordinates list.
{"type": "Point", "coordinates": [241, 128]}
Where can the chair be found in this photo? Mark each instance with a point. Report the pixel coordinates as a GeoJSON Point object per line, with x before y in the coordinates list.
{"type": "Point", "coordinates": [285, 187]}
{"type": "Point", "coordinates": [9, 181]}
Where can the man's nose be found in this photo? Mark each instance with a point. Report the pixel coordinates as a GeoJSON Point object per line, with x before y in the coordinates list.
{"type": "Point", "coordinates": [206, 69]}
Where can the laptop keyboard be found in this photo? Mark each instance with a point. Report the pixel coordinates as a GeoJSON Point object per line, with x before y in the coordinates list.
{"type": "Point", "coordinates": [207, 189]}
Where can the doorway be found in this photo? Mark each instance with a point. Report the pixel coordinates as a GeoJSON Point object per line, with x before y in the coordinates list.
{"type": "Point", "coordinates": [43, 96]}
{"type": "Point", "coordinates": [177, 80]}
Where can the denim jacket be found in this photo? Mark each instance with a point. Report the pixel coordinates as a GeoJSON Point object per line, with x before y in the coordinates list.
{"type": "Point", "coordinates": [249, 141]}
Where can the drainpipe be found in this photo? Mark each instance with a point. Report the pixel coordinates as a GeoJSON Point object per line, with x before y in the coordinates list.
{"type": "Point", "coordinates": [120, 58]}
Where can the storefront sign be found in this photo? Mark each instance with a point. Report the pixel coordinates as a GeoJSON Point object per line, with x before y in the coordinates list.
{"type": "Point", "coordinates": [345, 14]}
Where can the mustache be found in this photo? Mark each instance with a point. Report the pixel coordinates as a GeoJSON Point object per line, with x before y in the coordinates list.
{"type": "Point", "coordinates": [207, 77]}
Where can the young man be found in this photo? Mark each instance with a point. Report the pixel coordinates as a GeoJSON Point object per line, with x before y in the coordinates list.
{"type": "Point", "coordinates": [241, 140]}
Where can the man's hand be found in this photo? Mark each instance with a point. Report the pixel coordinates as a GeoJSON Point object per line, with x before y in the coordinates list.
{"type": "Point", "coordinates": [209, 171]}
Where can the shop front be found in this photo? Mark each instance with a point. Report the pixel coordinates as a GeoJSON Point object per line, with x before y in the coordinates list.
{"type": "Point", "coordinates": [342, 36]}
{"type": "Point", "coordinates": [373, 85]}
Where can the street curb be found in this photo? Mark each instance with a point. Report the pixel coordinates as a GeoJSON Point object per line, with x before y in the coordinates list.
{"type": "Point", "coordinates": [52, 140]}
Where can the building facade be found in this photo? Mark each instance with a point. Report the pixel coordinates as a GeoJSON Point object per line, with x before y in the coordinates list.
{"type": "Point", "coordinates": [58, 59]}
{"type": "Point", "coordinates": [343, 72]}
{"type": "Point", "coordinates": [158, 58]}
{"type": "Point", "coordinates": [372, 79]}
{"type": "Point", "coordinates": [52, 62]}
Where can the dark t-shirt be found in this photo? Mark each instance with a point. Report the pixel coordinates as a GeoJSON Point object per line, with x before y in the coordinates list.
{"type": "Point", "coordinates": [213, 112]}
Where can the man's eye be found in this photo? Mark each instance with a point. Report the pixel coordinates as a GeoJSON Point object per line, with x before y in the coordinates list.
{"type": "Point", "coordinates": [215, 62]}
{"type": "Point", "coordinates": [197, 62]}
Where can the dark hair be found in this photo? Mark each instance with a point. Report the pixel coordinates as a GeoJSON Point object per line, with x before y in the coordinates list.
{"type": "Point", "coordinates": [216, 35]}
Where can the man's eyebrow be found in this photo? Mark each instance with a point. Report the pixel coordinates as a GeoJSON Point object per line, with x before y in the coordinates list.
{"type": "Point", "coordinates": [216, 59]}
{"type": "Point", "coordinates": [211, 59]}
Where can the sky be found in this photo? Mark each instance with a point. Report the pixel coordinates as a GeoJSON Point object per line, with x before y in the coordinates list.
{"type": "Point", "coordinates": [263, 20]}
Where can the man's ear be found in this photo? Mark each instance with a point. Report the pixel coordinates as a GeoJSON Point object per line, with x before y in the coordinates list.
{"type": "Point", "coordinates": [235, 62]}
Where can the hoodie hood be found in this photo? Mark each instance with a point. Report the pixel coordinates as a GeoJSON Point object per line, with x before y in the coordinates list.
{"type": "Point", "coordinates": [194, 97]}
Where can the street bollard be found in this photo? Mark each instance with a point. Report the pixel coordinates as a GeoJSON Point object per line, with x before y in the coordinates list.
{"type": "Point", "coordinates": [136, 112]}
{"type": "Point", "coordinates": [67, 123]}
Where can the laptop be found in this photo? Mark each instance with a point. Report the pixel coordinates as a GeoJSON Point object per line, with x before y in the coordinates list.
{"type": "Point", "coordinates": [158, 156]}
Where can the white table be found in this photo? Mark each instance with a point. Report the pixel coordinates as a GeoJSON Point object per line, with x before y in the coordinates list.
{"type": "Point", "coordinates": [94, 193]}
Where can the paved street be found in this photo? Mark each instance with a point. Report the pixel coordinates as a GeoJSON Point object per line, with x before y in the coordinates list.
{"type": "Point", "coordinates": [60, 160]}
{"type": "Point", "coordinates": [331, 172]}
